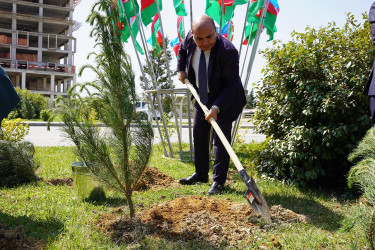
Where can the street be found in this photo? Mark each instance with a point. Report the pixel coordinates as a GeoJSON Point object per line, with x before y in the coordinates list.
{"type": "Point", "coordinates": [39, 136]}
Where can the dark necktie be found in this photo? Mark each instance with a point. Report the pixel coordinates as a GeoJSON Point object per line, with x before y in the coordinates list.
{"type": "Point", "coordinates": [202, 78]}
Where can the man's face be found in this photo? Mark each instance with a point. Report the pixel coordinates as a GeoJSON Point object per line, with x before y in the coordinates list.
{"type": "Point", "coordinates": [205, 37]}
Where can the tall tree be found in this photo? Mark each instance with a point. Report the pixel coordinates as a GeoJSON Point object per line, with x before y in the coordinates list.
{"type": "Point", "coordinates": [251, 100]}
{"type": "Point", "coordinates": [118, 156]}
{"type": "Point", "coordinates": [161, 74]}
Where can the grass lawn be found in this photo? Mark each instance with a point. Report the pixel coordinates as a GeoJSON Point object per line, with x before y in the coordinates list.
{"type": "Point", "coordinates": [56, 215]}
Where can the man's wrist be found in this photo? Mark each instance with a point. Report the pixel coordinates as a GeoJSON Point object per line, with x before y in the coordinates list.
{"type": "Point", "coordinates": [215, 107]}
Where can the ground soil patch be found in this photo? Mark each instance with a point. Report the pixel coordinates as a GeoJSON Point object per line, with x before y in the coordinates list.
{"type": "Point", "coordinates": [206, 219]}
{"type": "Point", "coordinates": [13, 239]}
{"type": "Point", "coordinates": [60, 182]}
{"type": "Point", "coordinates": [153, 178]}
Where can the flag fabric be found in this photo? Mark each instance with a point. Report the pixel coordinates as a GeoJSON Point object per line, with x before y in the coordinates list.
{"type": "Point", "coordinates": [127, 9]}
{"type": "Point", "coordinates": [180, 27]}
{"type": "Point", "coordinates": [134, 29]}
{"type": "Point", "coordinates": [148, 10]}
{"type": "Point", "coordinates": [255, 11]}
{"type": "Point", "coordinates": [125, 31]}
{"type": "Point", "coordinates": [213, 8]}
{"type": "Point", "coordinates": [175, 43]}
{"type": "Point", "coordinates": [227, 30]}
{"type": "Point", "coordinates": [156, 39]}
{"type": "Point", "coordinates": [179, 6]}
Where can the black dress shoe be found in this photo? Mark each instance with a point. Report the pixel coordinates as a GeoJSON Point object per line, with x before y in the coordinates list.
{"type": "Point", "coordinates": [194, 178]}
{"type": "Point", "coordinates": [216, 188]}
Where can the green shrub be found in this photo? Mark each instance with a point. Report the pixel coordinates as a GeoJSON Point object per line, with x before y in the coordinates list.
{"type": "Point", "coordinates": [45, 114]}
{"type": "Point", "coordinates": [363, 175]}
{"type": "Point", "coordinates": [38, 102]}
{"type": "Point", "coordinates": [13, 130]}
{"type": "Point", "coordinates": [27, 109]}
{"type": "Point", "coordinates": [311, 103]}
{"type": "Point", "coordinates": [16, 163]}
{"type": "Point", "coordinates": [13, 115]}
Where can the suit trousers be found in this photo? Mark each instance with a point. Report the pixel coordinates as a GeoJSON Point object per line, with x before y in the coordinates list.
{"type": "Point", "coordinates": [201, 134]}
{"type": "Point", "coordinates": [372, 109]}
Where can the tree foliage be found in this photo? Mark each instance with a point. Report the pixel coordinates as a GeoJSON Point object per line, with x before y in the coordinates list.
{"type": "Point", "coordinates": [118, 155]}
{"type": "Point", "coordinates": [251, 101]}
{"type": "Point", "coordinates": [311, 104]}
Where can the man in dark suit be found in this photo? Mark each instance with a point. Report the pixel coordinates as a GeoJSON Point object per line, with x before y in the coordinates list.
{"type": "Point", "coordinates": [370, 86]}
{"type": "Point", "coordinates": [211, 63]}
{"type": "Point", "coordinates": [8, 96]}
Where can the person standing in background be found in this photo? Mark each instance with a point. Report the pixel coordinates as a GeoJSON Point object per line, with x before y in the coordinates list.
{"type": "Point", "coordinates": [370, 86]}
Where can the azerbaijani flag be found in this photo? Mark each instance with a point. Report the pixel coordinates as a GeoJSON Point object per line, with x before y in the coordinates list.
{"type": "Point", "coordinates": [269, 22]}
{"type": "Point", "coordinates": [134, 31]}
{"type": "Point", "coordinates": [148, 10]}
{"type": "Point", "coordinates": [227, 30]}
{"type": "Point", "coordinates": [156, 39]}
{"type": "Point", "coordinates": [126, 8]}
{"type": "Point", "coordinates": [213, 8]}
{"type": "Point", "coordinates": [180, 27]}
{"type": "Point", "coordinates": [179, 6]}
{"type": "Point", "coordinates": [175, 43]}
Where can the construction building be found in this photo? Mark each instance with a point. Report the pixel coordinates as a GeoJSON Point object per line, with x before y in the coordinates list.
{"type": "Point", "coordinates": [37, 45]}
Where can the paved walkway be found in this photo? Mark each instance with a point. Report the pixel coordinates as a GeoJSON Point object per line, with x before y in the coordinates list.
{"type": "Point", "coordinates": [39, 135]}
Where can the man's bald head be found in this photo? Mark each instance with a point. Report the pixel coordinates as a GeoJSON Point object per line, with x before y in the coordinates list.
{"type": "Point", "coordinates": [204, 32]}
{"type": "Point", "coordinates": [203, 21]}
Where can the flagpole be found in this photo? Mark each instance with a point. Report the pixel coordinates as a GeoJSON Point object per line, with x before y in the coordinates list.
{"type": "Point", "coordinates": [146, 80]}
{"type": "Point", "coordinates": [153, 81]}
{"type": "Point", "coordinates": [256, 42]}
{"type": "Point", "coordinates": [252, 57]}
{"type": "Point", "coordinates": [247, 49]}
{"type": "Point", "coordinates": [169, 78]}
{"type": "Point", "coordinates": [244, 28]}
{"type": "Point", "coordinates": [221, 15]}
{"type": "Point", "coordinates": [191, 16]}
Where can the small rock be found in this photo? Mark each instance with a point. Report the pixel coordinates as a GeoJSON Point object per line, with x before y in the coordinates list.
{"type": "Point", "coordinates": [217, 229]}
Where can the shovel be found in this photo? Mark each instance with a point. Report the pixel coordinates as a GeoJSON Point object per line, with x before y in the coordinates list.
{"type": "Point", "coordinates": [253, 194]}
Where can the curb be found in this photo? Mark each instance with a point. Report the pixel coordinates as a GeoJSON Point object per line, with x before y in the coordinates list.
{"type": "Point", "coordinates": [60, 124]}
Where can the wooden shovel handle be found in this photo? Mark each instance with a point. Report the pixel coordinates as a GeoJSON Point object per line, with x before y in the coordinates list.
{"type": "Point", "coordinates": [216, 127]}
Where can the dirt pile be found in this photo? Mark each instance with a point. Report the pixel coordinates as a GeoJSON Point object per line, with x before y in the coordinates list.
{"type": "Point", "coordinates": [153, 178]}
{"type": "Point", "coordinates": [210, 220]}
{"type": "Point", "coordinates": [60, 182]}
{"type": "Point", "coordinates": [16, 239]}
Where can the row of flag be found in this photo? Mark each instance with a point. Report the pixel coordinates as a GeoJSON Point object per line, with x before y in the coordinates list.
{"type": "Point", "coordinates": [149, 15]}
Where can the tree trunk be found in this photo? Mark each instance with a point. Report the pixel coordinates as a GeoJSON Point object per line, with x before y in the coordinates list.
{"type": "Point", "coordinates": [128, 196]}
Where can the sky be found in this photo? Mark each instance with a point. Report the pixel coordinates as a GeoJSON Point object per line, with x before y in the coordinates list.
{"type": "Point", "coordinates": [294, 15]}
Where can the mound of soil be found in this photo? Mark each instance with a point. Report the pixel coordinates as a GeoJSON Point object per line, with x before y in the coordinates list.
{"type": "Point", "coordinates": [60, 182]}
{"type": "Point", "coordinates": [153, 178]}
{"type": "Point", "coordinates": [16, 239]}
{"type": "Point", "coordinates": [206, 219]}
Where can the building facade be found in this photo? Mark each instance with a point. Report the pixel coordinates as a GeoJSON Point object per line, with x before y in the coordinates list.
{"type": "Point", "coordinates": [37, 45]}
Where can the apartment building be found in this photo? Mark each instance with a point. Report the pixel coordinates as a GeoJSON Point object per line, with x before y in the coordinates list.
{"type": "Point", "coordinates": [37, 45]}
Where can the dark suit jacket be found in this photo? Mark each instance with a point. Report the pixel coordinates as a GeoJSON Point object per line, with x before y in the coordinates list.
{"type": "Point", "coordinates": [8, 96]}
{"type": "Point", "coordinates": [226, 90]}
{"type": "Point", "coordinates": [370, 86]}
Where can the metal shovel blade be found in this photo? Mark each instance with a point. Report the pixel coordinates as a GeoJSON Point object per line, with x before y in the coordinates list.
{"type": "Point", "coordinates": [255, 197]}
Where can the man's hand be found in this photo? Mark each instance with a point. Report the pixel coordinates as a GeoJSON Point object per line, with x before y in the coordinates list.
{"type": "Point", "coordinates": [213, 113]}
{"type": "Point", "coordinates": [181, 76]}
